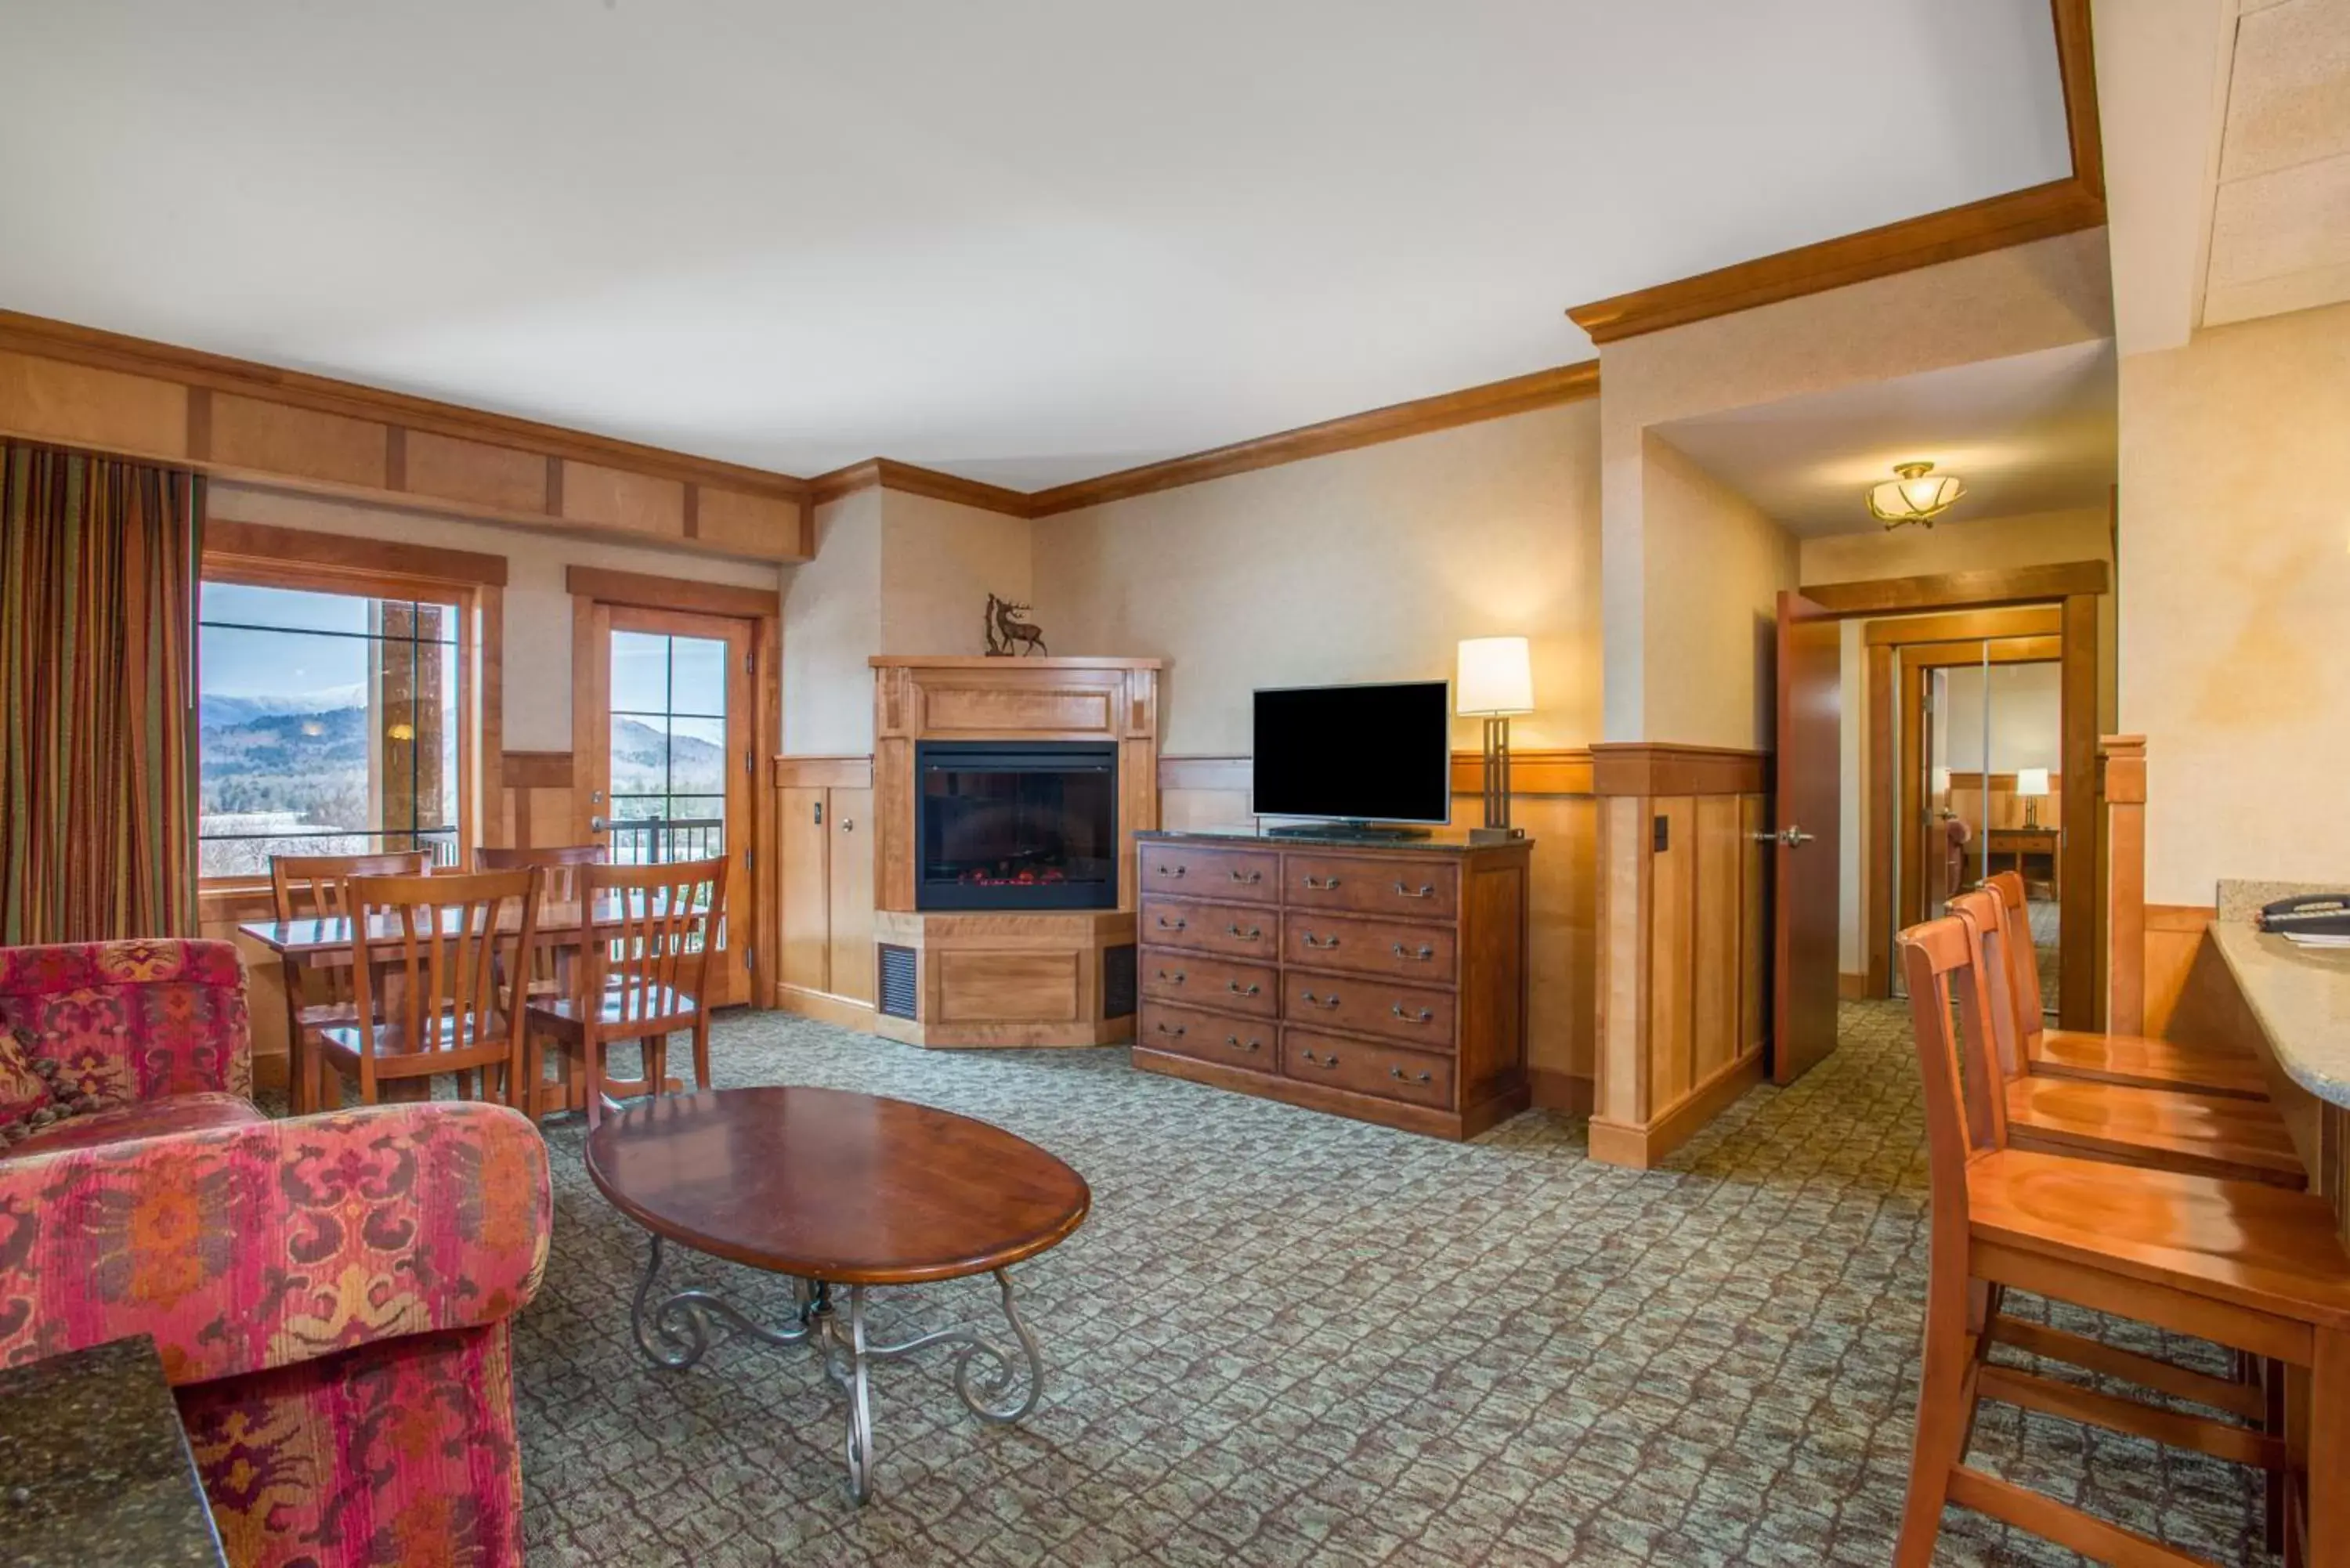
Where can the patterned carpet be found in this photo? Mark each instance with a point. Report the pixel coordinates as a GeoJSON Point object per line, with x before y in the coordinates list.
{"type": "Point", "coordinates": [1283, 1338]}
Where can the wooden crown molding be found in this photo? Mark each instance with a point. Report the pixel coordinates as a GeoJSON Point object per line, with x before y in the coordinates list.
{"type": "Point", "coordinates": [2014, 218]}
{"type": "Point", "coordinates": [886, 473]}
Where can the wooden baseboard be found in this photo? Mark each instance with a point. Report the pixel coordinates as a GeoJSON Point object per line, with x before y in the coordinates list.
{"type": "Point", "coordinates": [1569, 1094]}
{"type": "Point", "coordinates": [1000, 1036]}
{"type": "Point", "coordinates": [1644, 1148]}
{"type": "Point", "coordinates": [1852, 987]}
{"type": "Point", "coordinates": [825, 1007]}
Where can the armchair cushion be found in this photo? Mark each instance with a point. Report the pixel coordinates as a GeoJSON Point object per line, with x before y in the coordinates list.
{"type": "Point", "coordinates": [24, 1091]}
{"type": "Point", "coordinates": [147, 1118]}
{"type": "Point", "coordinates": [133, 1020]}
{"type": "Point", "coordinates": [248, 1248]}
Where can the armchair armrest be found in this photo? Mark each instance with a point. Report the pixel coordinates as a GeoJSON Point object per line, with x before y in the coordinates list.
{"type": "Point", "coordinates": [134, 1020]}
{"type": "Point", "coordinates": [256, 1247]}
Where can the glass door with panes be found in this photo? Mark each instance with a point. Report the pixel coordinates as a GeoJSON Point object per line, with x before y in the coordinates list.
{"type": "Point", "coordinates": [677, 767]}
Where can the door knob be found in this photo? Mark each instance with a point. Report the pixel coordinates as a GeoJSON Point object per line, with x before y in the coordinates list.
{"type": "Point", "coordinates": [598, 825]}
{"type": "Point", "coordinates": [1790, 837]}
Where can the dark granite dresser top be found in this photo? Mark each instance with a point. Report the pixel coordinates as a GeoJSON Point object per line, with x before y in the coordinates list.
{"type": "Point", "coordinates": [95, 1470]}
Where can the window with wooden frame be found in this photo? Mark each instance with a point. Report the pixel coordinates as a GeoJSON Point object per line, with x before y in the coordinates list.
{"type": "Point", "coordinates": [341, 684]}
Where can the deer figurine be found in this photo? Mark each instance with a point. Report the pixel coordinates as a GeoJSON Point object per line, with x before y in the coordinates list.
{"type": "Point", "coordinates": [1006, 632]}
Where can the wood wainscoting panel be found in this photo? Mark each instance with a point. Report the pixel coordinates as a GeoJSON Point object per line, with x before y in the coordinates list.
{"type": "Point", "coordinates": [752, 525]}
{"type": "Point", "coordinates": [1621, 1086]}
{"type": "Point", "coordinates": [1672, 949]}
{"type": "Point", "coordinates": [805, 887]}
{"type": "Point", "coordinates": [267, 439]}
{"type": "Point", "coordinates": [2174, 936]}
{"type": "Point", "coordinates": [849, 818]}
{"type": "Point", "coordinates": [473, 473]}
{"type": "Point", "coordinates": [617, 498]}
{"type": "Point", "coordinates": [1006, 987]}
{"type": "Point", "coordinates": [81, 406]}
{"type": "Point", "coordinates": [1718, 975]}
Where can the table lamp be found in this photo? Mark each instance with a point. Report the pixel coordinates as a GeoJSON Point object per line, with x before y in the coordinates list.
{"type": "Point", "coordinates": [2032, 784]}
{"type": "Point", "coordinates": [1496, 679]}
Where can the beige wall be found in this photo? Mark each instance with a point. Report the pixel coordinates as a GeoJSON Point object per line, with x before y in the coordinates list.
{"type": "Point", "coordinates": [2013, 301]}
{"type": "Point", "coordinates": [538, 604]}
{"type": "Point", "coordinates": [940, 560]}
{"type": "Point", "coordinates": [2235, 570]}
{"type": "Point", "coordinates": [1369, 565]}
{"type": "Point", "coordinates": [832, 625]}
{"type": "Point", "coordinates": [1715, 565]}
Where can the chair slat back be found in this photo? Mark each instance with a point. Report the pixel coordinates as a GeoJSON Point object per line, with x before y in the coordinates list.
{"type": "Point", "coordinates": [1991, 935]}
{"type": "Point", "coordinates": [668, 925]}
{"type": "Point", "coordinates": [316, 887]}
{"type": "Point", "coordinates": [438, 941]}
{"type": "Point", "coordinates": [2022, 959]}
{"type": "Point", "coordinates": [1965, 1114]}
{"type": "Point", "coordinates": [560, 863]}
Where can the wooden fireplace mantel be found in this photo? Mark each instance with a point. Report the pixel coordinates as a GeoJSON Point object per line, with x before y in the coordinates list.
{"type": "Point", "coordinates": [1036, 979]}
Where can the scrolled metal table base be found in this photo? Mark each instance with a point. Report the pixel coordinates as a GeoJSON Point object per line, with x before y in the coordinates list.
{"type": "Point", "coordinates": [676, 1332]}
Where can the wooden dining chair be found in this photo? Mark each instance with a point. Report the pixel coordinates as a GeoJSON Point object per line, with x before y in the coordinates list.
{"type": "Point", "coordinates": [2163, 1128]}
{"type": "Point", "coordinates": [2254, 1268]}
{"type": "Point", "coordinates": [2114, 1058]}
{"type": "Point", "coordinates": [427, 958]}
{"type": "Point", "coordinates": [551, 966]}
{"type": "Point", "coordinates": [640, 974]}
{"type": "Point", "coordinates": [312, 887]}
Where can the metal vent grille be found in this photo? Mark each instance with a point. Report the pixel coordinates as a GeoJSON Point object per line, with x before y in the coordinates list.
{"type": "Point", "coordinates": [1118, 982]}
{"type": "Point", "coordinates": [898, 988]}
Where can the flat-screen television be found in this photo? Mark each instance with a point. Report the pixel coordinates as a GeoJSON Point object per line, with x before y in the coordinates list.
{"type": "Point", "coordinates": [1355, 753]}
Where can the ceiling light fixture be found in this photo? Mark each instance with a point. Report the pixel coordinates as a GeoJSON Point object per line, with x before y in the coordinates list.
{"type": "Point", "coordinates": [1919, 495]}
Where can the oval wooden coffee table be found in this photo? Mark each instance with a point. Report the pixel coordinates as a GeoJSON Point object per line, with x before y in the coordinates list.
{"type": "Point", "coordinates": [836, 1189]}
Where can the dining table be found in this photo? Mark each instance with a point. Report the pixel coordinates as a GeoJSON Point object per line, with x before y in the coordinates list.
{"type": "Point", "coordinates": [312, 943]}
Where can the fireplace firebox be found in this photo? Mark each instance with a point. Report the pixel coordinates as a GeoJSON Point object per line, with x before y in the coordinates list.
{"type": "Point", "coordinates": [1015, 825]}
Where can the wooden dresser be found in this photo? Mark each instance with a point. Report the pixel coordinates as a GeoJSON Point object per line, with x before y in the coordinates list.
{"type": "Point", "coordinates": [1382, 979]}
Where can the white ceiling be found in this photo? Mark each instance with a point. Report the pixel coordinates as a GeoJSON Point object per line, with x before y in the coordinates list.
{"type": "Point", "coordinates": [2033, 432]}
{"type": "Point", "coordinates": [1027, 240]}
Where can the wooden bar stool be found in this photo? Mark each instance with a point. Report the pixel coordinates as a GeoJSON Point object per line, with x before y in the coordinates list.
{"type": "Point", "coordinates": [2254, 1268]}
{"type": "Point", "coordinates": [2115, 1058]}
{"type": "Point", "coordinates": [2164, 1129]}
{"type": "Point", "coordinates": [311, 887]}
{"type": "Point", "coordinates": [427, 958]}
{"type": "Point", "coordinates": [641, 977]}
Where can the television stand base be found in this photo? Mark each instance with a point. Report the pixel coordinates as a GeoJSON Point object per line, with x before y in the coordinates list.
{"type": "Point", "coordinates": [1353, 831]}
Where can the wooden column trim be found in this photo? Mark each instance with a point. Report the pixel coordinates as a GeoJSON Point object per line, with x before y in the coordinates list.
{"type": "Point", "coordinates": [2121, 788]}
{"type": "Point", "coordinates": [2081, 1003]}
{"type": "Point", "coordinates": [1654, 767]}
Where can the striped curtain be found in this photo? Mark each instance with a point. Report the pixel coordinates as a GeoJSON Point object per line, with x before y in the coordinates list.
{"type": "Point", "coordinates": [97, 690]}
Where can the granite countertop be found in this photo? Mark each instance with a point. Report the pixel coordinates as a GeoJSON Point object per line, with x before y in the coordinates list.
{"type": "Point", "coordinates": [94, 1464]}
{"type": "Point", "coordinates": [2302, 998]}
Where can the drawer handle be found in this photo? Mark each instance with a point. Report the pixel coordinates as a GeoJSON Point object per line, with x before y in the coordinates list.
{"type": "Point", "coordinates": [1322, 885]}
{"type": "Point", "coordinates": [1399, 1075]}
{"type": "Point", "coordinates": [1247, 877]}
{"type": "Point", "coordinates": [1178, 978]}
{"type": "Point", "coordinates": [1167, 925]}
{"type": "Point", "coordinates": [1422, 956]}
{"type": "Point", "coordinates": [1425, 1015]}
{"type": "Point", "coordinates": [1313, 942]}
{"type": "Point", "coordinates": [1237, 1044]}
{"type": "Point", "coordinates": [1329, 1000]}
{"type": "Point", "coordinates": [1426, 890]}
{"type": "Point", "coordinates": [1234, 987]}
{"type": "Point", "coordinates": [1329, 1061]}
{"type": "Point", "coordinates": [1166, 870]}
{"type": "Point", "coordinates": [1179, 1029]}
{"type": "Point", "coordinates": [1252, 934]}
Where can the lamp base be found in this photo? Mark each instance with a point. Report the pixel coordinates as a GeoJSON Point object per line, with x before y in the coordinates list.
{"type": "Point", "coordinates": [1495, 835]}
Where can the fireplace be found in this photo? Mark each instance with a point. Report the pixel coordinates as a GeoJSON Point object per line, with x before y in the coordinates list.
{"type": "Point", "coordinates": [1015, 825]}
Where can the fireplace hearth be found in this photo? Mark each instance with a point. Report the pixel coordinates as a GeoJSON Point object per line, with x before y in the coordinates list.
{"type": "Point", "coordinates": [1015, 825]}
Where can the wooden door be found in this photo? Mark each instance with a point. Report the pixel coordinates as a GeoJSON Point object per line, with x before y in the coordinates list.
{"type": "Point", "coordinates": [667, 737]}
{"type": "Point", "coordinates": [1804, 862]}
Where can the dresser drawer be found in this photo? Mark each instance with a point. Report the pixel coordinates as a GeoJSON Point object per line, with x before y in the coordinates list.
{"type": "Point", "coordinates": [1249, 1043]}
{"type": "Point", "coordinates": [1386, 1071]}
{"type": "Point", "coordinates": [1410, 888]}
{"type": "Point", "coordinates": [1239, 876]}
{"type": "Point", "coordinates": [1199, 981]}
{"type": "Point", "coordinates": [1376, 1006]}
{"type": "Point", "coordinates": [1241, 930]}
{"type": "Point", "coordinates": [1369, 946]}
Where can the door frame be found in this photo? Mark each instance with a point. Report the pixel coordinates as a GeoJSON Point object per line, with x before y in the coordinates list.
{"type": "Point", "coordinates": [2073, 587]}
{"type": "Point", "coordinates": [596, 592]}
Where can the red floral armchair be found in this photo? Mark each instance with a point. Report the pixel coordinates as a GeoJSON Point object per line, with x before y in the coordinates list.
{"type": "Point", "coordinates": [332, 1295]}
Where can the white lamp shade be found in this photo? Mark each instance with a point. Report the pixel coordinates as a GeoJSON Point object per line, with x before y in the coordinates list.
{"type": "Point", "coordinates": [2032, 781]}
{"type": "Point", "coordinates": [1941, 780]}
{"type": "Point", "coordinates": [1496, 677]}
